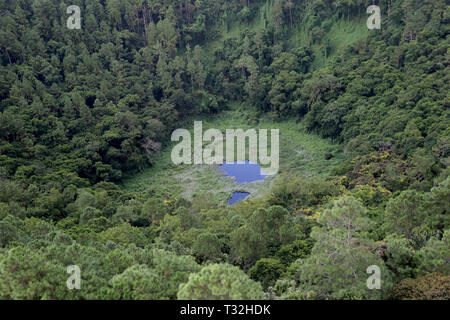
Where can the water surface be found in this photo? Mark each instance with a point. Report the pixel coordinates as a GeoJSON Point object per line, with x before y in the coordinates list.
{"type": "Point", "coordinates": [243, 171]}
{"type": "Point", "coordinates": [237, 196]}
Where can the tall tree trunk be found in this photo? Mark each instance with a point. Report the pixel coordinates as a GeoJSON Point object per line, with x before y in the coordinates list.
{"type": "Point", "coordinates": [144, 18]}
{"type": "Point", "coordinates": [9, 58]}
{"type": "Point", "coordinates": [290, 15]}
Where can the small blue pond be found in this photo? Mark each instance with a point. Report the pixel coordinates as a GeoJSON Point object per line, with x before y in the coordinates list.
{"type": "Point", "coordinates": [237, 196]}
{"type": "Point", "coordinates": [243, 172]}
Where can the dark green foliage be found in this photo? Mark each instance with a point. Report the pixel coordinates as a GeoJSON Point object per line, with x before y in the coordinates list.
{"type": "Point", "coordinates": [207, 247]}
{"type": "Point", "coordinates": [336, 268]}
{"type": "Point", "coordinates": [266, 271]}
{"type": "Point", "coordinates": [262, 235]}
{"type": "Point", "coordinates": [220, 282]}
{"type": "Point", "coordinates": [299, 249]}
{"type": "Point", "coordinates": [82, 109]}
{"type": "Point", "coordinates": [158, 281]}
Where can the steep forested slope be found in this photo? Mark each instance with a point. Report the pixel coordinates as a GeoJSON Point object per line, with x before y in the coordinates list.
{"type": "Point", "coordinates": [79, 109]}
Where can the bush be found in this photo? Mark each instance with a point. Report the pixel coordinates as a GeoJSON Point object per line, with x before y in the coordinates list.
{"type": "Point", "coordinates": [267, 271]}
{"type": "Point", "coordinates": [434, 286]}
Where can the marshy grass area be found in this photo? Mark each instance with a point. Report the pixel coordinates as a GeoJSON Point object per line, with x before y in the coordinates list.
{"type": "Point", "coordinates": [301, 153]}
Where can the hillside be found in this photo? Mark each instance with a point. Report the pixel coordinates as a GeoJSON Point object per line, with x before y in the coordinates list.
{"type": "Point", "coordinates": [86, 117]}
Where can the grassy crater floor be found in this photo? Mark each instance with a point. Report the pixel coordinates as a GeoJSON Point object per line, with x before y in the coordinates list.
{"type": "Point", "coordinates": [301, 153]}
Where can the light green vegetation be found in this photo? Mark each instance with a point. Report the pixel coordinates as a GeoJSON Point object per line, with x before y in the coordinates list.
{"type": "Point", "coordinates": [300, 152]}
{"type": "Point", "coordinates": [341, 35]}
{"type": "Point", "coordinates": [326, 42]}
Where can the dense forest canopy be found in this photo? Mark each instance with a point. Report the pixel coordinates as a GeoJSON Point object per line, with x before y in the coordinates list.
{"type": "Point", "coordinates": [81, 109]}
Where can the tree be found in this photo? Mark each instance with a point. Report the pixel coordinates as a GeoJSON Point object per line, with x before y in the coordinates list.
{"type": "Point", "coordinates": [265, 231]}
{"type": "Point", "coordinates": [154, 209]}
{"type": "Point", "coordinates": [158, 281]}
{"type": "Point", "coordinates": [299, 249]}
{"type": "Point", "coordinates": [337, 266]}
{"type": "Point", "coordinates": [195, 66]}
{"type": "Point", "coordinates": [8, 233]}
{"type": "Point", "coordinates": [188, 218]}
{"type": "Point", "coordinates": [207, 247]}
{"type": "Point", "coordinates": [25, 274]}
{"type": "Point", "coordinates": [439, 218]}
{"type": "Point", "coordinates": [435, 255]}
{"type": "Point", "coordinates": [124, 234]}
{"type": "Point", "coordinates": [399, 257]}
{"type": "Point", "coordinates": [220, 282]}
{"type": "Point", "coordinates": [114, 9]}
{"type": "Point", "coordinates": [274, 225]}
{"type": "Point", "coordinates": [406, 213]}
{"type": "Point", "coordinates": [167, 35]}
{"type": "Point", "coordinates": [277, 15]}
{"type": "Point", "coordinates": [137, 282]}
{"type": "Point", "coordinates": [266, 271]}
{"type": "Point", "coordinates": [289, 4]}
{"type": "Point", "coordinates": [247, 246]}
{"type": "Point", "coordinates": [250, 72]}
